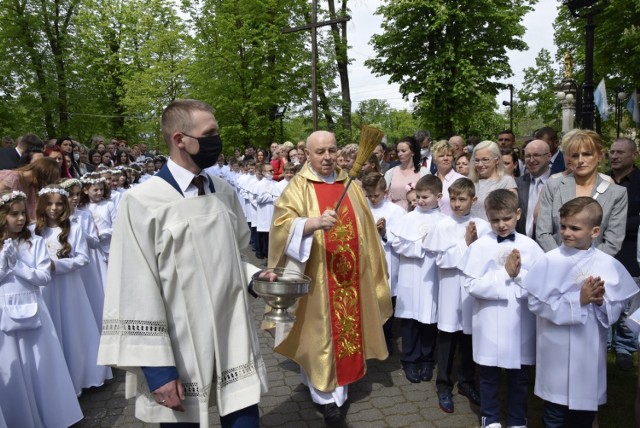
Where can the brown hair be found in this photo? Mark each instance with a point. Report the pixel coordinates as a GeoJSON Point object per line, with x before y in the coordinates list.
{"type": "Point", "coordinates": [63, 221]}
{"type": "Point", "coordinates": [43, 172]}
{"type": "Point", "coordinates": [580, 204]}
{"type": "Point", "coordinates": [462, 185]}
{"type": "Point", "coordinates": [25, 233]}
{"type": "Point", "coordinates": [374, 181]}
{"type": "Point", "coordinates": [178, 117]}
{"type": "Point", "coordinates": [429, 183]}
{"type": "Point", "coordinates": [501, 199]}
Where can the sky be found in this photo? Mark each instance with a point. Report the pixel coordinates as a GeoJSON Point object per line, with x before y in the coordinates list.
{"type": "Point", "coordinates": [363, 24]}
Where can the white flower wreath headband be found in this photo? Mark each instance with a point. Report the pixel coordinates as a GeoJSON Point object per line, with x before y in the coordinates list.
{"type": "Point", "coordinates": [71, 183]}
{"type": "Point", "coordinates": [13, 196]}
{"type": "Point", "coordinates": [93, 180]}
{"type": "Point", "coordinates": [57, 190]}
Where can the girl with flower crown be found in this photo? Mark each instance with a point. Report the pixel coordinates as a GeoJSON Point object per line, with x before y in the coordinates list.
{"type": "Point", "coordinates": [103, 210]}
{"type": "Point", "coordinates": [91, 274]}
{"type": "Point", "coordinates": [66, 297]}
{"type": "Point", "coordinates": [35, 385]}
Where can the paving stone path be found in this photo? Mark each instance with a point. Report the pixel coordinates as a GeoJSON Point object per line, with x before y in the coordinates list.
{"type": "Point", "coordinates": [383, 398]}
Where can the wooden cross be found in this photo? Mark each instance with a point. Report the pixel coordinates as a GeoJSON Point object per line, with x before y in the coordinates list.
{"type": "Point", "coordinates": [313, 26]}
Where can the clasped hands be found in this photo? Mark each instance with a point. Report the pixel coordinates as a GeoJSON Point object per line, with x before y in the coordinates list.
{"type": "Point", "coordinates": [592, 291]}
{"type": "Point", "coordinates": [8, 255]}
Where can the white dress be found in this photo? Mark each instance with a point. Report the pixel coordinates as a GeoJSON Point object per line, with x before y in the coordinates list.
{"type": "Point", "coordinates": [571, 355]}
{"type": "Point", "coordinates": [503, 328]}
{"type": "Point", "coordinates": [417, 296]}
{"type": "Point", "coordinates": [67, 301]}
{"type": "Point", "coordinates": [35, 386]}
{"type": "Point", "coordinates": [392, 213]}
{"type": "Point", "coordinates": [94, 273]}
{"type": "Point", "coordinates": [104, 213]}
{"type": "Point", "coordinates": [455, 305]}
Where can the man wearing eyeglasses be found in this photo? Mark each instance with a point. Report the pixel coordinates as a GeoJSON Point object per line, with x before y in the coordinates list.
{"type": "Point", "coordinates": [530, 185]}
{"type": "Point", "coordinates": [556, 159]}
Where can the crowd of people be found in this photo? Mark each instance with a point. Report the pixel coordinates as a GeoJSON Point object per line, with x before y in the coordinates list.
{"type": "Point", "coordinates": [503, 257]}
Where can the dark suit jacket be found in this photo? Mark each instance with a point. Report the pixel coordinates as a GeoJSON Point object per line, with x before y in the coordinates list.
{"type": "Point", "coordinates": [523, 183]}
{"type": "Point", "coordinates": [558, 164]}
{"type": "Point", "coordinates": [9, 158]}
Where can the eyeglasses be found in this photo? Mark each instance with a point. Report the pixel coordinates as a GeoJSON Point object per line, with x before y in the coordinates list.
{"type": "Point", "coordinates": [483, 161]}
{"type": "Point", "coordinates": [536, 156]}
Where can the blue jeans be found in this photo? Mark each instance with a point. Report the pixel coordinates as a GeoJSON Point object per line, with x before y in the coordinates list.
{"type": "Point", "coordinates": [517, 394]}
{"type": "Point", "coordinates": [623, 340]}
{"type": "Point", "coordinates": [559, 416]}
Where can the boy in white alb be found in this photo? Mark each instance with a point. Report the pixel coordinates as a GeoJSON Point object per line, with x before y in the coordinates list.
{"type": "Point", "coordinates": [266, 193]}
{"type": "Point", "coordinates": [503, 328]}
{"type": "Point", "coordinates": [289, 171]}
{"type": "Point", "coordinates": [417, 299]}
{"type": "Point", "coordinates": [576, 292]}
{"type": "Point", "coordinates": [450, 241]}
{"type": "Point", "coordinates": [386, 214]}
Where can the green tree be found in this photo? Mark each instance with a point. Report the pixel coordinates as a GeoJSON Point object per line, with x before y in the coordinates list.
{"type": "Point", "coordinates": [448, 55]}
{"type": "Point", "coordinates": [34, 42]}
{"type": "Point", "coordinates": [538, 91]}
{"type": "Point", "coordinates": [616, 47]}
{"type": "Point", "coordinates": [244, 65]}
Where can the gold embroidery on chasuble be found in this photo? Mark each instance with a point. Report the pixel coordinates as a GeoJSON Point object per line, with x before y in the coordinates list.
{"type": "Point", "coordinates": [342, 256]}
{"type": "Point", "coordinates": [342, 267]}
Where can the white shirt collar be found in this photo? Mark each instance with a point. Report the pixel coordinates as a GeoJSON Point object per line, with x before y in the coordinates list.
{"type": "Point", "coordinates": [330, 179]}
{"type": "Point", "coordinates": [184, 177]}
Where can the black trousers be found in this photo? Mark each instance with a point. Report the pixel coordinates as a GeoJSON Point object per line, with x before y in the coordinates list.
{"type": "Point", "coordinates": [249, 417]}
{"type": "Point", "coordinates": [446, 351]}
{"type": "Point", "coordinates": [418, 342]}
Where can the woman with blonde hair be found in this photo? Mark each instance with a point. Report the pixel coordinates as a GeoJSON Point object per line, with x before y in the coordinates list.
{"type": "Point", "coordinates": [442, 155]}
{"type": "Point", "coordinates": [585, 151]}
{"type": "Point", "coordinates": [487, 173]}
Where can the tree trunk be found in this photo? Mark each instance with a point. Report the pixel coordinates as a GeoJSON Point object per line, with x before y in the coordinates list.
{"type": "Point", "coordinates": [339, 34]}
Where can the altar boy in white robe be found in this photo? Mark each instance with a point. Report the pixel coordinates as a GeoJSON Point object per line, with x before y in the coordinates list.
{"type": "Point", "coordinates": [576, 292]}
{"type": "Point", "coordinates": [417, 300]}
{"type": "Point", "coordinates": [450, 241]}
{"type": "Point", "coordinates": [386, 214]}
{"type": "Point", "coordinates": [503, 328]}
{"type": "Point", "coordinates": [176, 312]}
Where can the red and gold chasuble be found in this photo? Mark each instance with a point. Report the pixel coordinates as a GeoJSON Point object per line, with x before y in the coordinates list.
{"type": "Point", "coordinates": [343, 281]}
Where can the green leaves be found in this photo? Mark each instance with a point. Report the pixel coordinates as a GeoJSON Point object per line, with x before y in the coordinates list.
{"type": "Point", "coordinates": [448, 58]}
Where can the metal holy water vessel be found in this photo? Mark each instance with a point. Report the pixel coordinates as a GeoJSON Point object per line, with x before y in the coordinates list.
{"type": "Point", "coordinates": [282, 293]}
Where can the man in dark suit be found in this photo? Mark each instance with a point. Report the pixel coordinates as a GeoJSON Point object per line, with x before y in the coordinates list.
{"type": "Point", "coordinates": [550, 136]}
{"type": "Point", "coordinates": [424, 139]}
{"type": "Point", "coordinates": [536, 158]}
{"type": "Point", "coordinates": [622, 156]}
{"type": "Point", "coordinates": [10, 157]}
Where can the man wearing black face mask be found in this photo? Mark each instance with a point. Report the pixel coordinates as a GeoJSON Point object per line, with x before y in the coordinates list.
{"type": "Point", "coordinates": [176, 311]}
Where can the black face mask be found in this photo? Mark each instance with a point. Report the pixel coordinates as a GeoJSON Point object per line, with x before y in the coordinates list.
{"type": "Point", "coordinates": [210, 149]}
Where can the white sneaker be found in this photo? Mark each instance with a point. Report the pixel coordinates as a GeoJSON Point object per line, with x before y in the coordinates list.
{"type": "Point", "coordinates": [493, 425]}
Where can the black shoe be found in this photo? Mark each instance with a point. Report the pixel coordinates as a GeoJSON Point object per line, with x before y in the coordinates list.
{"type": "Point", "coordinates": [331, 413]}
{"type": "Point", "coordinates": [445, 400]}
{"type": "Point", "coordinates": [624, 361]}
{"type": "Point", "coordinates": [412, 373]}
{"type": "Point", "coordinates": [426, 372]}
{"type": "Point", "coordinates": [469, 392]}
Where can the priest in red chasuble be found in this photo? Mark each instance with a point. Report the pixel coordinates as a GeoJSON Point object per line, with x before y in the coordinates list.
{"type": "Point", "coordinates": [339, 323]}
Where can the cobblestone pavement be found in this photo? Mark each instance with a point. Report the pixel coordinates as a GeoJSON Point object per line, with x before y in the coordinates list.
{"type": "Point", "coordinates": [383, 398]}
